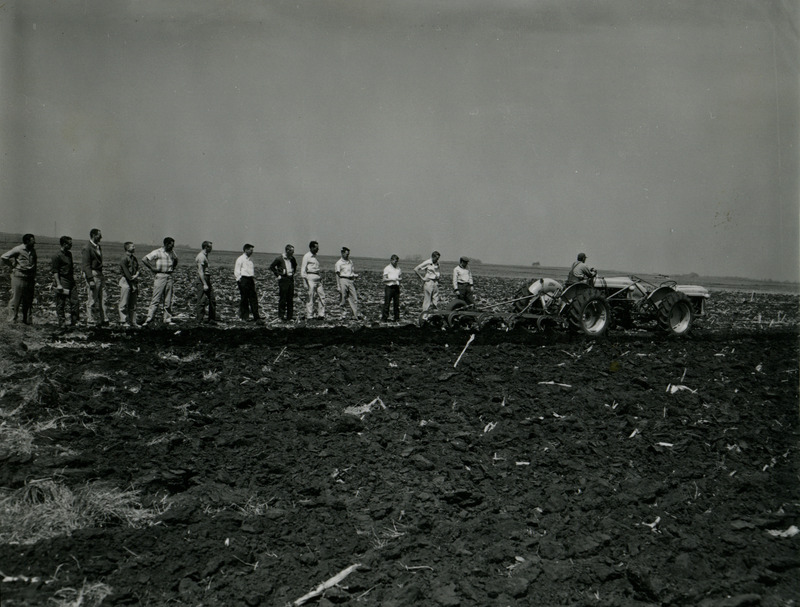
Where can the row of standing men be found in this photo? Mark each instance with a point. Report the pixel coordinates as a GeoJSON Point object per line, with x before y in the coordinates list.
{"type": "Point", "coordinates": [162, 262]}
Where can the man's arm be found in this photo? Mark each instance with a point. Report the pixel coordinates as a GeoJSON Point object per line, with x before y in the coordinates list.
{"type": "Point", "coordinates": [86, 264]}
{"type": "Point", "coordinates": [9, 257]}
{"type": "Point", "coordinates": [148, 264]}
{"type": "Point", "coordinates": [303, 273]}
{"type": "Point", "coordinates": [201, 272]}
{"type": "Point", "coordinates": [455, 278]}
{"type": "Point", "coordinates": [126, 272]}
{"type": "Point", "coordinates": [275, 266]}
{"type": "Point", "coordinates": [419, 270]}
{"type": "Point", "coordinates": [56, 275]}
{"type": "Point", "coordinates": [237, 269]}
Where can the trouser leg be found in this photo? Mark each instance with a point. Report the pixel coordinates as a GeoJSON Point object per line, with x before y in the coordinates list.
{"type": "Point", "coordinates": [253, 296]}
{"type": "Point", "coordinates": [387, 298]}
{"type": "Point", "coordinates": [350, 294]}
{"type": "Point", "coordinates": [133, 299]}
{"type": "Point", "coordinates": [16, 298]}
{"type": "Point", "coordinates": [465, 293]}
{"type": "Point", "coordinates": [310, 299]}
{"type": "Point", "coordinates": [61, 305]}
{"type": "Point", "coordinates": [201, 300]}
{"type": "Point", "coordinates": [212, 301]}
{"type": "Point", "coordinates": [243, 305]}
{"type": "Point", "coordinates": [169, 291]}
{"type": "Point", "coordinates": [320, 299]}
{"type": "Point", "coordinates": [396, 300]}
{"type": "Point", "coordinates": [100, 282]}
{"type": "Point", "coordinates": [28, 292]}
{"type": "Point", "coordinates": [159, 284]}
{"type": "Point", "coordinates": [123, 304]}
{"type": "Point", "coordinates": [74, 305]}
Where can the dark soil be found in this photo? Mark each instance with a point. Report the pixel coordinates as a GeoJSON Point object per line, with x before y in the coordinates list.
{"type": "Point", "coordinates": [632, 470]}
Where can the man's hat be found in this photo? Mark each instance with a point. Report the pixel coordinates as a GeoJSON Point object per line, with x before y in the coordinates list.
{"type": "Point", "coordinates": [465, 259]}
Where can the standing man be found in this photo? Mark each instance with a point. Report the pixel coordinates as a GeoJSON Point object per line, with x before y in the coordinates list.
{"type": "Point", "coordinates": [205, 291]}
{"type": "Point", "coordinates": [391, 288]}
{"type": "Point", "coordinates": [309, 272]}
{"type": "Point", "coordinates": [63, 271]}
{"type": "Point", "coordinates": [428, 272]}
{"type": "Point", "coordinates": [284, 267]}
{"type": "Point", "coordinates": [22, 259]}
{"type": "Point", "coordinates": [92, 263]}
{"type": "Point", "coordinates": [162, 263]}
{"type": "Point", "coordinates": [580, 272]}
{"type": "Point", "coordinates": [345, 277]}
{"type": "Point", "coordinates": [128, 286]}
{"type": "Point", "coordinates": [462, 281]}
{"type": "Point", "coordinates": [244, 271]}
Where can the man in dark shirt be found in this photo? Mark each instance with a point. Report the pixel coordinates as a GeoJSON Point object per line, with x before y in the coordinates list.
{"type": "Point", "coordinates": [284, 267]}
{"type": "Point", "coordinates": [22, 260]}
{"type": "Point", "coordinates": [62, 268]}
{"type": "Point", "coordinates": [128, 286]}
{"type": "Point", "coordinates": [92, 265]}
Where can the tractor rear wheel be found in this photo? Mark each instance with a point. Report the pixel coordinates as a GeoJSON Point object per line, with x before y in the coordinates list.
{"type": "Point", "coordinates": [675, 314]}
{"type": "Point", "coordinates": [589, 313]}
{"type": "Point", "coordinates": [455, 304]}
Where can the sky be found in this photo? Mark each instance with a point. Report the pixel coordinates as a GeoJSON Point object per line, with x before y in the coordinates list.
{"type": "Point", "coordinates": [657, 137]}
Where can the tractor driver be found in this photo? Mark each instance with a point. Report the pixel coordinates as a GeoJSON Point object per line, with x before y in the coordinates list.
{"type": "Point", "coordinates": [580, 272]}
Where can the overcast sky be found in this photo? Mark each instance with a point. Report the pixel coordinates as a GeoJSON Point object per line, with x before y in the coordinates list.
{"type": "Point", "coordinates": [655, 136]}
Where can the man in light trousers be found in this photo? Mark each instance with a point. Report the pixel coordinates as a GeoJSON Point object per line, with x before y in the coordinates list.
{"type": "Point", "coordinates": [162, 263]}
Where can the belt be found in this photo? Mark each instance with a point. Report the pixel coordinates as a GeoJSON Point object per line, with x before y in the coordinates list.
{"type": "Point", "coordinates": [348, 277]}
{"type": "Point", "coordinates": [465, 283]}
{"type": "Point", "coordinates": [317, 273]}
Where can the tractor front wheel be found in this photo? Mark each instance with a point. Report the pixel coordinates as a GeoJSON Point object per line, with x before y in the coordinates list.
{"type": "Point", "coordinates": [589, 313]}
{"type": "Point", "coordinates": [675, 314]}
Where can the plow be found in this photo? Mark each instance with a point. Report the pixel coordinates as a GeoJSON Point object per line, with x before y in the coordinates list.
{"type": "Point", "coordinates": [588, 308]}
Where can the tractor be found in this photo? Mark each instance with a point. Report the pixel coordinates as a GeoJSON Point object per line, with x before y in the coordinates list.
{"type": "Point", "coordinates": [635, 301]}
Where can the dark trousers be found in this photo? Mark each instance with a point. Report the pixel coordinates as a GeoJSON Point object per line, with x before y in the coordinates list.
{"type": "Point", "coordinates": [391, 293]}
{"type": "Point", "coordinates": [22, 293]}
{"type": "Point", "coordinates": [286, 297]}
{"type": "Point", "coordinates": [71, 299]}
{"type": "Point", "coordinates": [465, 293]}
{"type": "Point", "coordinates": [249, 301]}
{"type": "Point", "coordinates": [205, 298]}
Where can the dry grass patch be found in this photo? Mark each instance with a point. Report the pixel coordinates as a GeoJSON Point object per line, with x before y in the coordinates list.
{"type": "Point", "coordinates": [88, 595]}
{"type": "Point", "coordinates": [15, 440]}
{"type": "Point", "coordinates": [45, 508]}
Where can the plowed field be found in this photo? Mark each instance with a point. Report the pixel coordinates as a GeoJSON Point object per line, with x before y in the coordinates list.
{"type": "Point", "coordinates": [261, 461]}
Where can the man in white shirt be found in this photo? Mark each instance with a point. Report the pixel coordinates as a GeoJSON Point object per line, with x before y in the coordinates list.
{"type": "Point", "coordinates": [462, 281]}
{"type": "Point", "coordinates": [345, 277]}
{"type": "Point", "coordinates": [245, 275]}
{"type": "Point", "coordinates": [428, 272]}
{"type": "Point", "coordinates": [391, 289]}
{"type": "Point", "coordinates": [309, 272]}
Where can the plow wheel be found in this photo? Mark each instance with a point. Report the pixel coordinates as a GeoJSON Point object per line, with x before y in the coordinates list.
{"type": "Point", "coordinates": [436, 320]}
{"type": "Point", "coordinates": [675, 314]}
{"type": "Point", "coordinates": [491, 320]}
{"type": "Point", "coordinates": [463, 319]}
{"type": "Point", "coordinates": [589, 313]}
